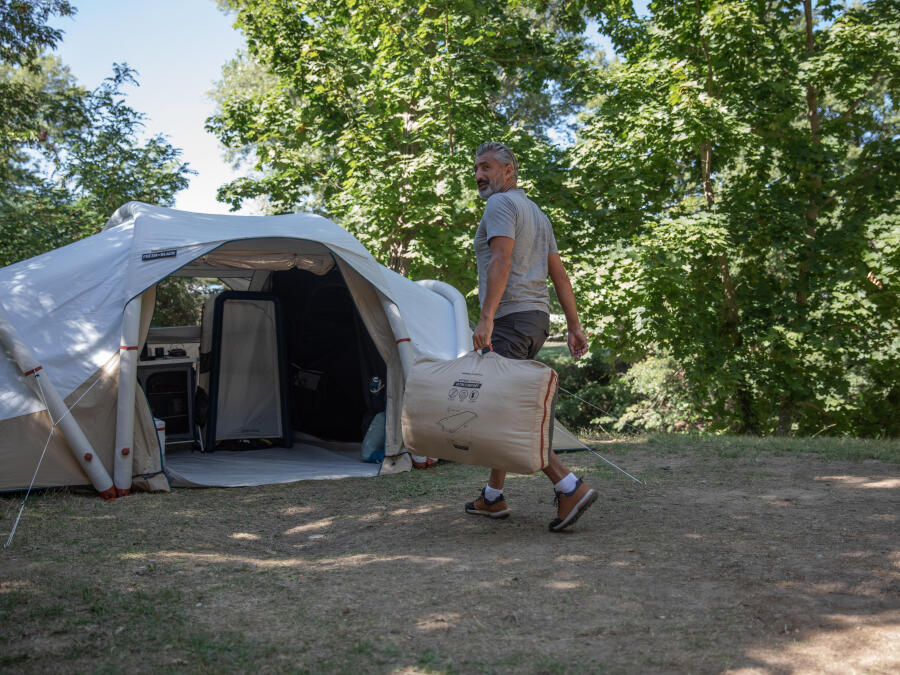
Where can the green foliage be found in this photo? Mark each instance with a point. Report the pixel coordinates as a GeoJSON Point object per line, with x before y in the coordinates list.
{"type": "Point", "coordinates": [379, 105]}
{"type": "Point", "coordinates": [69, 157]}
{"type": "Point", "coordinates": [242, 77]}
{"type": "Point", "coordinates": [106, 165]}
{"type": "Point", "coordinates": [598, 394]}
{"type": "Point", "coordinates": [589, 379]}
{"type": "Point", "coordinates": [739, 178]}
{"type": "Point", "coordinates": [179, 300]}
{"type": "Point", "coordinates": [729, 207]}
{"type": "Point", "coordinates": [74, 159]}
{"type": "Point", "coordinates": [24, 32]}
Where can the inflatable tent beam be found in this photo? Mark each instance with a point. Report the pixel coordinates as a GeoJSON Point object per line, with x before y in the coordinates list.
{"type": "Point", "coordinates": [460, 312]}
{"type": "Point", "coordinates": [71, 431]}
{"type": "Point", "coordinates": [404, 347]}
{"type": "Point", "coordinates": [128, 357]}
{"type": "Point", "coordinates": [401, 334]}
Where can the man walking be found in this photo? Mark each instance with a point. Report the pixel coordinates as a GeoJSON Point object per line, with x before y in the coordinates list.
{"type": "Point", "coordinates": [515, 250]}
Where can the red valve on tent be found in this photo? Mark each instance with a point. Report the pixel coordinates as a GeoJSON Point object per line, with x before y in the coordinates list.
{"type": "Point", "coordinates": [109, 495]}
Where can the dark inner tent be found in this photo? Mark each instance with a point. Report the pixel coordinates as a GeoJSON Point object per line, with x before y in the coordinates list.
{"type": "Point", "coordinates": [336, 376]}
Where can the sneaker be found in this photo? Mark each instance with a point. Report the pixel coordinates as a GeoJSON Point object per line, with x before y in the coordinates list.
{"type": "Point", "coordinates": [570, 505]}
{"type": "Point", "coordinates": [492, 509]}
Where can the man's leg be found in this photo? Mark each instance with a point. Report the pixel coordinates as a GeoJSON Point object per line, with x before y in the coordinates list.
{"type": "Point", "coordinates": [496, 479]}
{"type": "Point", "coordinates": [573, 496]}
{"type": "Point", "coordinates": [555, 469]}
{"type": "Point", "coordinates": [507, 343]}
{"type": "Point", "coordinates": [520, 336]}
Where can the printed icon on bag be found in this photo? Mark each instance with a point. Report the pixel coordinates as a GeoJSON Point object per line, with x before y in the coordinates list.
{"type": "Point", "coordinates": [453, 393]}
{"type": "Point", "coordinates": [456, 425]}
{"type": "Point", "coordinates": [473, 396]}
{"type": "Point", "coordinates": [456, 421]}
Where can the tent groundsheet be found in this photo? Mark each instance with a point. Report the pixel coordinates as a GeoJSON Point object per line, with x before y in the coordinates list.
{"type": "Point", "coordinates": [303, 461]}
{"type": "Point", "coordinates": [244, 468]}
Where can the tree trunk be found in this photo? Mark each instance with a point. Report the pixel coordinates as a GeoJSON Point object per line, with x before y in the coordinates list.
{"type": "Point", "coordinates": [749, 422]}
{"type": "Point", "coordinates": [785, 416]}
{"type": "Point", "coordinates": [813, 179]}
{"type": "Point", "coordinates": [398, 259]}
{"type": "Point", "coordinates": [813, 182]}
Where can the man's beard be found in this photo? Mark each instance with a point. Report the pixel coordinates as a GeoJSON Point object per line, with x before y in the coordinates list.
{"type": "Point", "coordinates": [489, 189]}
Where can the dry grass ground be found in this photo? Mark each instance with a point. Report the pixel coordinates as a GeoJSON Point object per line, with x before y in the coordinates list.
{"type": "Point", "coordinates": [738, 556]}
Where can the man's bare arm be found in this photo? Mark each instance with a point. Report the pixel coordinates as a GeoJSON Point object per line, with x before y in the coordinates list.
{"type": "Point", "coordinates": [576, 338]}
{"type": "Point", "coordinates": [497, 275]}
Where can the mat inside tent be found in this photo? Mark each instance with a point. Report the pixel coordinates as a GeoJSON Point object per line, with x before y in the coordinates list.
{"type": "Point", "coordinates": [303, 461]}
{"type": "Point", "coordinates": [243, 468]}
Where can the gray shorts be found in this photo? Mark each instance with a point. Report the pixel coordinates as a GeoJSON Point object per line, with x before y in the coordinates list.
{"type": "Point", "coordinates": [520, 335]}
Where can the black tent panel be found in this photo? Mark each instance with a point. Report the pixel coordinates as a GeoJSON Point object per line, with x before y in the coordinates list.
{"type": "Point", "coordinates": [337, 376]}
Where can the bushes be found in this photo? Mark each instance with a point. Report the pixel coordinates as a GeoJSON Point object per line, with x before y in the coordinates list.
{"type": "Point", "coordinates": [653, 395]}
{"type": "Point", "coordinates": [650, 395]}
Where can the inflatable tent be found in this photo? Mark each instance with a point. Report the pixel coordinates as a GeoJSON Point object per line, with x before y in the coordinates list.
{"type": "Point", "coordinates": [334, 325]}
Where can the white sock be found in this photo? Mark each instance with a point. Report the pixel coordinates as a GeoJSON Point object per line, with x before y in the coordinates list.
{"type": "Point", "coordinates": [492, 493]}
{"type": "Point", "coordinates": [567, 484]}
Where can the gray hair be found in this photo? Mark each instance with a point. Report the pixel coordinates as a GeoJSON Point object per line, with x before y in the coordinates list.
{"type": "Point", "coordinates": [502, 153]}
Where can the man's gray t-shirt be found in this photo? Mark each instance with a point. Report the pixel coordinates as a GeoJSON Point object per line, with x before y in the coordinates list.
{"type": "Point", "coordinates": [511, 214]}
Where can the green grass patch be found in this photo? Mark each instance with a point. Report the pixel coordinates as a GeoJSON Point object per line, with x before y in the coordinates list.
{"type": "Point", "coordinates": [553, 350]}
{"type": "Point", "coordinates": [846, 449]}
{"type": "Point", "coordinates": [726, 446]}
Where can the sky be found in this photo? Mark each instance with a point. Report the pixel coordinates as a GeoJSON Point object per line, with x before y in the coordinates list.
{"type": "Point", "coordinates": [178, 48]}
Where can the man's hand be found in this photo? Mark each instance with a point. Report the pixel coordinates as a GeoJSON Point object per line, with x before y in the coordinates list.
{"type": "Point", "coordinates": [481, 338]}
{"type": "Point", "coordinates": [578, 343]}
{"type": "Point", "coordinates": [576, 339]}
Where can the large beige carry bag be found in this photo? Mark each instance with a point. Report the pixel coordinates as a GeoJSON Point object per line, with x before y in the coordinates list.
{"type": "Point", "coordinates": [481, 409]}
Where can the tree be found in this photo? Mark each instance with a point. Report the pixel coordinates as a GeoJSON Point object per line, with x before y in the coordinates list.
{"type": "Point", "coordinates": [377, 107]}
{"type": "Point", "coordinates": [738, 176]}
{"type": "Point", "coordinates": [74, 159]}
{"type": "Point", "coordinates": [69, 157]}
{"type": "Point", "coordinates": [24, 32]}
